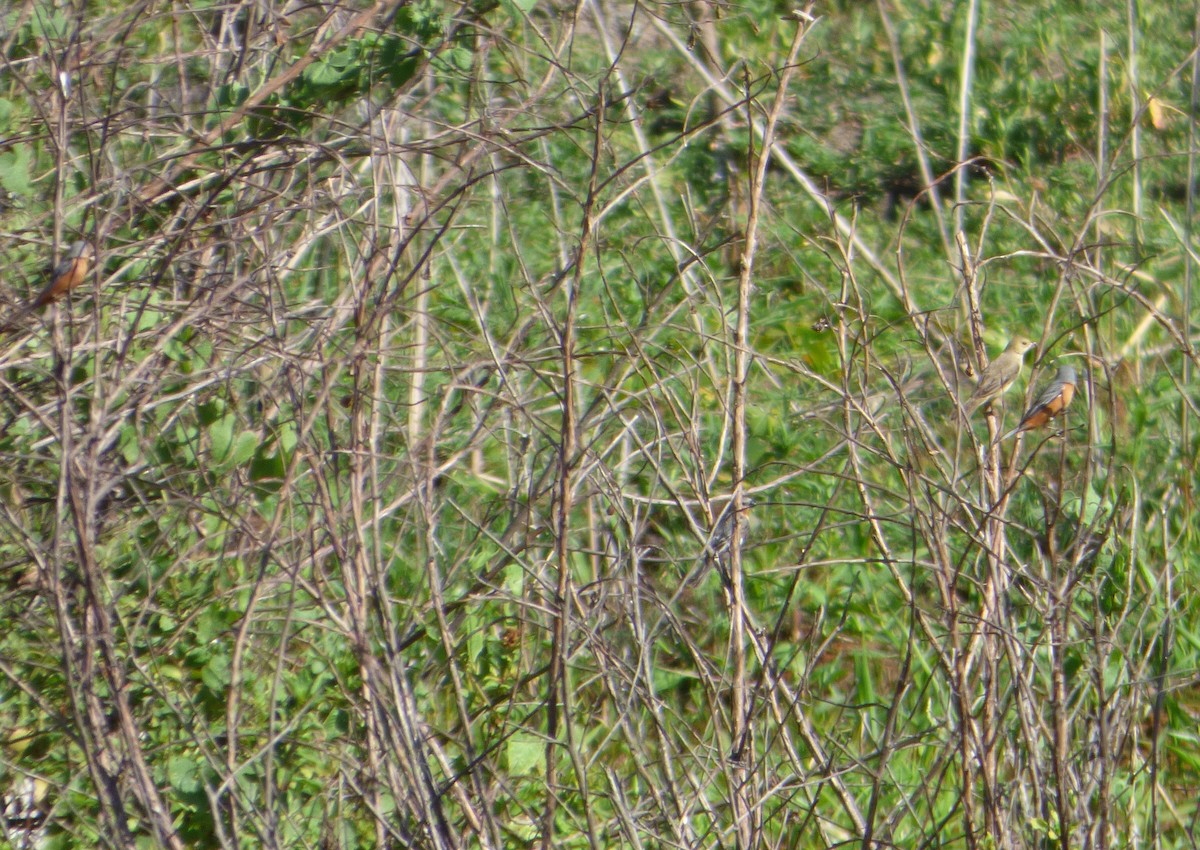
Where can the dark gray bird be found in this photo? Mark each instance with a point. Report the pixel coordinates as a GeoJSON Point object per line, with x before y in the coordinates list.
{"type": "Point", "coordinates": [716, 550]}
{"type": "Point", "coordinates": [1052, 401]}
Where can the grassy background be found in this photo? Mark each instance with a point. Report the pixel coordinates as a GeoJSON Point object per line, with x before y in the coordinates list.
{"type": "Point", "coordinates": [364, 495]}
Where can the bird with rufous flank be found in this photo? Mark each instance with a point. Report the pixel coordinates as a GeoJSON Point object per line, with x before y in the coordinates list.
{"type": "Point", "coordinates": [1052, 401]}
{"type": "Point", "coordinates": [1000, 373]}
{"type": "Point", "coordinates": [68, 273]}
{"type": "Point", "coordinates": [71, 271]}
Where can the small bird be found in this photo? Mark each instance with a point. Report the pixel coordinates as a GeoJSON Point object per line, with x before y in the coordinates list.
{"type": "Point", "coordinates": [722, 534]}
{"type": "Point", "coordinates": [71, 271]}
{"type": "Point", "coordinates": [1052, 401]}
{"type": "Point", "coordinates": [721, 540]}
{"type": "Point", "coordinates": [1000, 373]}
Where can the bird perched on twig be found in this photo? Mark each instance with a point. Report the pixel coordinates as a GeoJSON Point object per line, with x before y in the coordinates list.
{"type": "Point", "coordinates": [1000, 373]}
{"type": "Point", "coordinates": [716, 550]}
{"type": "Point", "coordinates": [1052, 401]}
{"type": "Point", "coordinates": [70, 271]}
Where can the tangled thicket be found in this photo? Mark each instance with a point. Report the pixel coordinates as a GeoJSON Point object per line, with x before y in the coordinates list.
{"type": "Point", "coordinates": [364, 495]}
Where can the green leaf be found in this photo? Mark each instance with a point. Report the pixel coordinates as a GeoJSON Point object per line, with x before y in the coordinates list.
{"type": "Point", "coordinates": [128, 444]}
{"type": "Point", "coordinates": [397, 61]}
{"type": "Point", "coordinates": [221, 434]}
{"type": "Point", "coordinates": [462, 57]}
{"type": "Point", "coordinates": [518, 9]}
{"type": "Point", "coordinates": [215, 674]}
{"type": "Point", "coordinates": [288, 436]}
{"type": "Point", "coordinates": [211, 411]}
{"type": "Point", "coordinates": [174, 350]}
{"type": "Point", "coordinates": [209, 626]}
{"type": "Point", "coordinates": [514, 579]}
{"type": "Point", "coordinates": [422, 20]}
{"type": "Point", "coordinates": [50, 25]}
{"type": "Point", "coordinates": [526, 755]}
{"type": "Point", "coordinates": [232, 95]}
{"type": "Point", "coordinates": [267, 465]}
{"type": "Point", "coordinates": [324, 72]}
{"type": "Point", "coordinates": [186, 437]}
{"type": "Point", "coordinates": [16, 167]}
{"type": "Point", "coordinates": [183, 774]}
{"type": "Point", "coordinates": [475, 646]}
{"type": "Point", "coordinates": [149, 318]}
{"type": "Point", "coordinates": [244, 447]}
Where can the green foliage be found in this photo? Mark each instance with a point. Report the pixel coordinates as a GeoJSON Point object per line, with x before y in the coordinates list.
{"type": "Point", "coordinates": [358, 67]}
{"type": "Point", "coordinates": [282, 511]}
